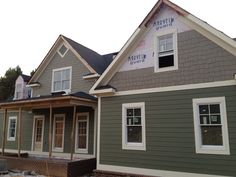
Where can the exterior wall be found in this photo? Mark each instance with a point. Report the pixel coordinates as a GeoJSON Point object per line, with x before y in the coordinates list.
{"type": "Point", "coordinates": [199, 61]}
{"type": "Point", "coordinates": [27, 127]}
{"type": "Point", "coordinates": [68, 126]}
{"type": "Point", "coordinates": [78, 70]}
{"type": "Point", "coordinates": [170, 141]}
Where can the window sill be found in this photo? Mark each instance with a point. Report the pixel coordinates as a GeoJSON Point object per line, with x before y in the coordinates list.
{"type": "Point", "coordinates": [11, 139]}
{"type": "Point", "coordinates": [58, 150]}
{"type": "Point", "coordinates": [81, 151]}
{"type": "Point", "coordinates": [221, 150]}
{"type": "Point", "coordinates": [134, 146]}
{"type": "Point", "coordinates": [171, 68]}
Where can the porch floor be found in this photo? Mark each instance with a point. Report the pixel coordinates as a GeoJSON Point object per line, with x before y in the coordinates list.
{"type": "Point", "coordinates": [53, 167]}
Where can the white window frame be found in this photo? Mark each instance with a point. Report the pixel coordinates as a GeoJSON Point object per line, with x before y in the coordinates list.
{"type": "Point", "coordinates": [80, 150]}
{"type": "Point", "coordinates": [156, 50]}
{"type": "Point", "coordinates": [58, 50]}
{"type": "Point", "coordinates": [61, 69]}
{"type": "Point", "coordinates": [8, 130]}
{"type": "Point", "coordinates": [56, 149]}
{"type": "Point", "coordinates": [210, 149]}
{"type": "Point", "coordinates": [125, 144]}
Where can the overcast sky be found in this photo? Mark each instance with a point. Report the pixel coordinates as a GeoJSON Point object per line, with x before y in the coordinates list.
{"type": "Point", "coordinates": [29, 28]}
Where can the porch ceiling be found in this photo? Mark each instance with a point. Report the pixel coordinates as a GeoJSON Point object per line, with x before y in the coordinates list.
{"type": "Point", "coordinates": [47, 101]}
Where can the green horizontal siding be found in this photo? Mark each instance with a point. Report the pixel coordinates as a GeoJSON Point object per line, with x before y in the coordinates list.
{"type": "Point", "coordinates": [27, 122]}
{"type": "Point", "coordinates": [170, 143]}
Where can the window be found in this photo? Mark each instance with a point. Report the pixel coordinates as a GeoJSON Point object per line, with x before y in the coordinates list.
{"type": "Point", "coordinates": [58, 132]}
{"type": "Point", "coordinates": [82, 126]}
{"type": "Point", "coordinates": [18, 91]}
{"type": "Point", "coordinates": [62, 50]}
{"type": "Point", "coordinates": [133, 126]}
{"type": "Point", "coordinates": [210, 125]}
{"type": "Point", "coordinates": [11, 129]}
{"type": "Point", "coordinates": [166, 58]}
{"type": "Point", "coordinates": [61, 79]}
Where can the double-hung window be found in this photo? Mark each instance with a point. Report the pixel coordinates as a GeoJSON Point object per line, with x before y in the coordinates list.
{"type": "Point", "coordinates": [11, 136]}
{"type": "Point", "coordinates": [61, 79]}
{"type": "Point", "coordinates": [133, 126]}
{"type": "Point", "coordinates": [210, 125]}
{"type": "Point", "coordinates": [166, 57]}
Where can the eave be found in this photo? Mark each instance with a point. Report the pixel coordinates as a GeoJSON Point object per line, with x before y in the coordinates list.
{"type": "Point", "coordinates": [47, 102]}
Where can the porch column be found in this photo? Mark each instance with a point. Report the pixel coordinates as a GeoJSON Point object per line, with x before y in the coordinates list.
{"type": "Point", "coordinates": [4, 131]}
{"type": "Point", "coordinates": [73, 135]}
{"type": "Point", "coordinates": [95, 131]}
{"type": "Point", "coordinates": [19, 131]}
{"type": "Point", "coordinates": [50, 132]}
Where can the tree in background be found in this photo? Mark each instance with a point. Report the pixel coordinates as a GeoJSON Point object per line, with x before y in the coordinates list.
{"type": "Point", "coordinates": [7, 83]}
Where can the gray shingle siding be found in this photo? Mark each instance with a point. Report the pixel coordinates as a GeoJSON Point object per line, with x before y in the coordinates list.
{"type": "Point", "coordinates": [78, 70]}
{"type": "Point", "coordinates": [200, 60]}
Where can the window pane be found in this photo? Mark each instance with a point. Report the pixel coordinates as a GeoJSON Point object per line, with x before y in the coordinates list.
{"type": "Point", "coordinates": [57, 86]}
{"type": "Point", "coordinates": [129, 120]}
{"type": "Point", "coordinates": [211, 135]}
{"type": "Point", "coordinates": [134, 134]}
{"type": "Point", "coordinates": [82, 142]}
{"type": "Point", "coordinates": [203, 109]}
{"type": "Point", "coordinates": [166, 61]}
{"type": "Point", "coordinates": [137, 120]}
{"type": "Point", "coordinates": [165, 43]}
{"type": "Point", "coordinates": [65, 85]}
{"type": "Point", "coordinates": [130, 112]}
{"type": "Point", "coordinates": [215, 119]}
{"type": "Point", "coordinates": [204, 119]}
{"type": "Point", "coordinates": [82, 134]}
{"type": "Point", "coordinates": [137, 112]}
{"type": "Point", "coordinates": [66, 74]}
{"type": "Point", "coordinates": [214, 108]}
{"type": "Point", "coordinates": [57, 76]}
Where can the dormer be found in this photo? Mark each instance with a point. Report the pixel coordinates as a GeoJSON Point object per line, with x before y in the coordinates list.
{"type": "Point", "coordinates": [21, 91]}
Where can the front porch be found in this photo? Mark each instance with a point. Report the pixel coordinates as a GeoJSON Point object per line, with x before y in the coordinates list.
{"type": "Point", "coordinates": [51, 166]}
{"type": "Point", "coordinates": [56, 129]}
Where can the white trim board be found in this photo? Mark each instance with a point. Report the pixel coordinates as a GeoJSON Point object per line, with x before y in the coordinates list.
{"type": "Point", "coordinates": [176, 88]}
{"type": "Point", "coordinates": [150, 172]}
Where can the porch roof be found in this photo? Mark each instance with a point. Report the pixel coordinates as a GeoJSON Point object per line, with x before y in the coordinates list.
{"type": "Point", "coordinates": [54, 100]}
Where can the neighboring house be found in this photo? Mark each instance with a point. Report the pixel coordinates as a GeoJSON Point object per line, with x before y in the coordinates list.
{"type": "Point", "coordinates": [167, 102]}
{"type": "Point", "coordinates": [21, 91]}
{"type": "Point", "coordinates": [59, 119]}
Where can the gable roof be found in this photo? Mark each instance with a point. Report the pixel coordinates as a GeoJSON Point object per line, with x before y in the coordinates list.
{"type": "Point", "coordinates": [26, 78]}
{"type": "Point", "coordinates": [94, 62]}
{"type": "Point", "coordinates": [202, 27]}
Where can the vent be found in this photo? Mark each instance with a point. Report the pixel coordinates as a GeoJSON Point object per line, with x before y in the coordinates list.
{"type": "Point", "coordinates": [62, 50]}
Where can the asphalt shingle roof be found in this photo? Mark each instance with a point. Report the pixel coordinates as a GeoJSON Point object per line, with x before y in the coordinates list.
{"type": "Point", "coordinates": [98, 62]}
{"type": "Point", "coordinates": [25, 77]}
